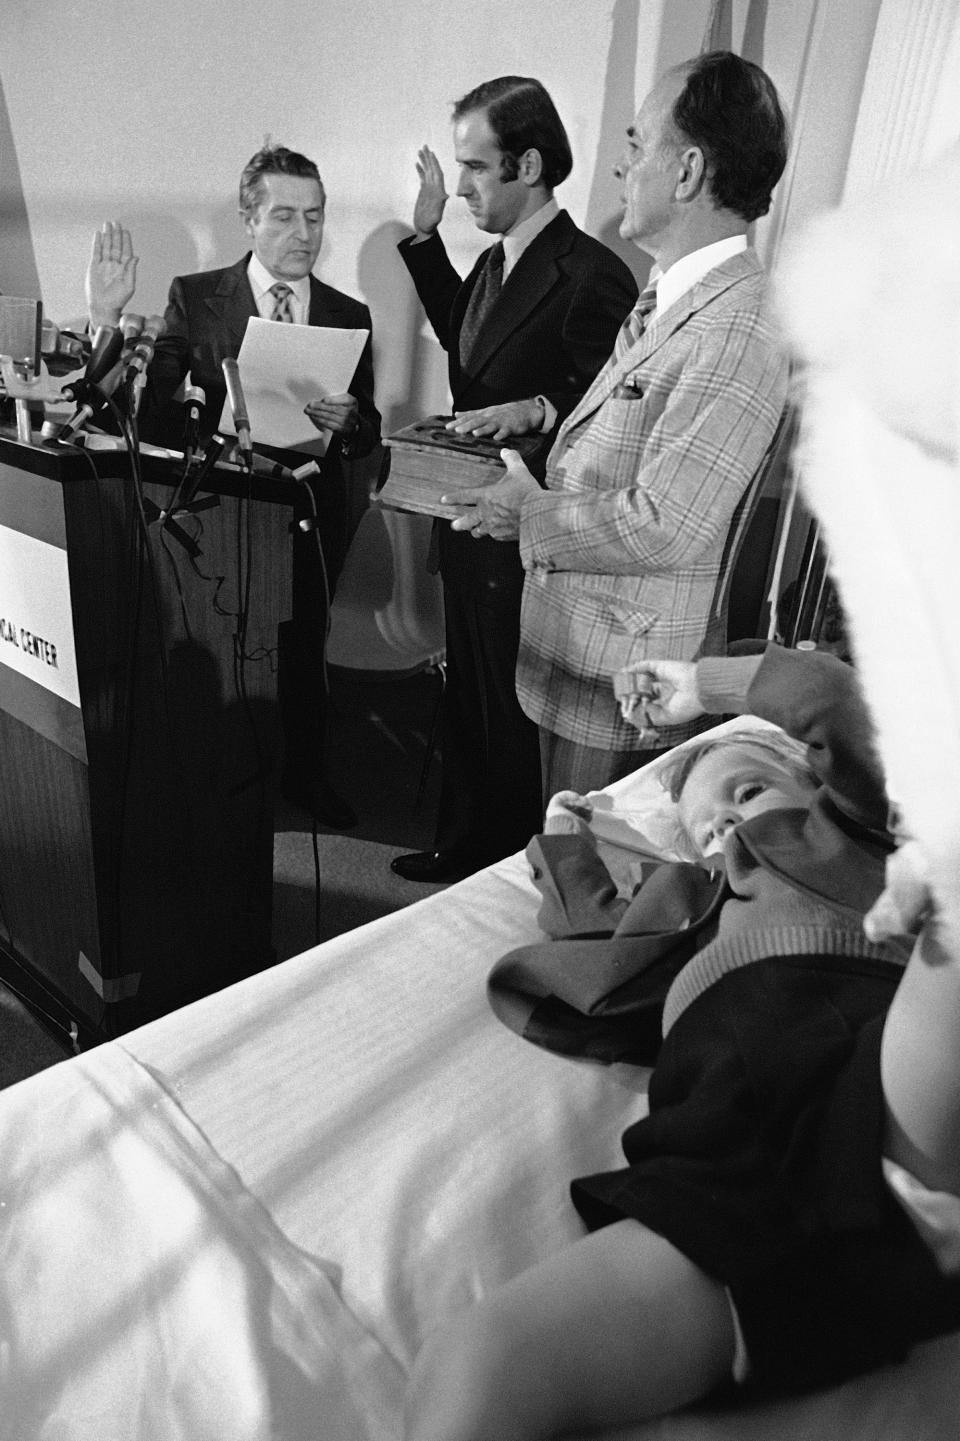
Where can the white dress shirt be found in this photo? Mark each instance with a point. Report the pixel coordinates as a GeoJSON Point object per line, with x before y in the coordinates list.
{"type": "Point", "coordinates": [260, 283]}
{"type": "Point", "coordinates": [517, 241]}
{"type": "Point", "coordinates": [685, 272]}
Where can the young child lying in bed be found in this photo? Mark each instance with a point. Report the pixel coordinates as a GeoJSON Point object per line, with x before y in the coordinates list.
{"type": "Point", "coordinates": [775, 1222]}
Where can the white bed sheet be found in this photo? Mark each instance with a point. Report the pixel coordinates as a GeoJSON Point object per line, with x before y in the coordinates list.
{"type": "Point", "coordinates": [146, 1295]}
{"type": "Point", "coordinates": [274, 1194]}
{"type": "Point", "coordinates": [369, 1098]}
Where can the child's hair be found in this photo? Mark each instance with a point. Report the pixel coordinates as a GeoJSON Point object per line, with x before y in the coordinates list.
{"type": "Point", "coordinates": [791, 755]}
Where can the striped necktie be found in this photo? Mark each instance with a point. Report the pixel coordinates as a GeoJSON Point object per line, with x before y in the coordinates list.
{"type": "Point", "coordinates": [282, 308]}
{"type": "Point", "coordinates": [482, 297]}
{"type": "Point", "coordinates": [636, 322]}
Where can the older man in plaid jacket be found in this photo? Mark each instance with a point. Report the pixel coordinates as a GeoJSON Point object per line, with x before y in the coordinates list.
{"type": "Point", "coordinates": [623, 547]}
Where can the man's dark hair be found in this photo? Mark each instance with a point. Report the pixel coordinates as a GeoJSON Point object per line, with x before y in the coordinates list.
{"type": "Point", "coordinates": [730, 108]}
{"type": "Point", "coordinates": [275, 160]}
{"type": "Point", "coordinates": [522, 117]}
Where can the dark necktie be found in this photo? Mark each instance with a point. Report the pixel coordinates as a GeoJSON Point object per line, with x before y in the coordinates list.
{"type": "Point", "coordinates": [482, 297]}
{"type": "Point", "coordinates": [282, 309]}
{"type": "Point", "coordinates": [636, 322]}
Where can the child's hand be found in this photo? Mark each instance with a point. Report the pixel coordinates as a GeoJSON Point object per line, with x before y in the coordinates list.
{"type": "Point", "coordinates": [568, 814]}
{"type": "Point", "coordinates": [633, 688]}
{"type": "Point", "coordinates": [906, 899]}
{"type": "Point", "coordinates": [658, 693]}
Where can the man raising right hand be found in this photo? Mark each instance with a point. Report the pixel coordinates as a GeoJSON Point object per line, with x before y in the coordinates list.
{"type": "Point", "coordinates": [525, 334]}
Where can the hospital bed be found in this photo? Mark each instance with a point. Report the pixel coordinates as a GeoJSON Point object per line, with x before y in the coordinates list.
{"type": "Point", "coordinates": [241, 1219]}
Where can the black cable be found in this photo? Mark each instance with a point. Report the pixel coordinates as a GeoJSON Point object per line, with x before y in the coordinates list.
{"type": "Point", "coordinates": [316, 885]}
{"type": "Point", "coordinates": [313, 524]}
{"type": "Point", "coordinates": [178, 583]}
{"type": "Point", "coordinates": [120, 724]}
{"type": "Point", "coordinates": [67, 1025]}
{"type": "Point", "coordinates": [125, 696]}
{"type": "Point", "coordinates": [217, 581]}
{"type": "Point", "coordinates": [4, 918]}
{"type": "Point", "coordinates": [142, 568]}
{"type": "Point", "coordinates": [244, 550]}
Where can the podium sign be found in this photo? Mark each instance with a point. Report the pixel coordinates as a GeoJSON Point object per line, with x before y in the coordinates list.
{"type": "Point", "coordinates": [36, 622]}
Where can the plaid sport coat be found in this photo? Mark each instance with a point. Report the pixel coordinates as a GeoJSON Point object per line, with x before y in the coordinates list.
{"type": "Point", "coordinates": [622, 550]}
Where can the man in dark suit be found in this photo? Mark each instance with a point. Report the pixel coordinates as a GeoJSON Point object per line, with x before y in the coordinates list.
{"type": "Point", "coordinates": [525, 334]}
{"type": "Point", "coordinates": [282, 203]}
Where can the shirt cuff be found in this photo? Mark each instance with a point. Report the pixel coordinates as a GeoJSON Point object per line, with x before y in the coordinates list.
{"type": "Point", "coordinates": [723, 683]}
{"type": "Point", "coordinates": [549, 414]}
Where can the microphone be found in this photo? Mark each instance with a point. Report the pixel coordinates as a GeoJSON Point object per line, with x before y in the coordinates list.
{"type": "Point", "coordinates": [132, 326]}
{"type": "Point", "coordinates": [194, 399]}
{"type": "Point", "coordinates": [62, 352]}
{"type": "Point", "coordinates": [142, 355]}
{"type": "Point", "coordinates": [104, 353]}
{"type": "Point", "coordinates": [273, 470]}
{"type": "Point", "coordinates": [238, 409]}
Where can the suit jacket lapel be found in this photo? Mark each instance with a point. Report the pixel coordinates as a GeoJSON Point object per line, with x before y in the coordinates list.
{"type": "Point", "coordinates": [232, 304]}
{"type": "Point", "coordinates": [659, 331]}
{"type": "Point", "coordinates": [326, 307]}
{"type": "Point", "coordinates": [534, 275]}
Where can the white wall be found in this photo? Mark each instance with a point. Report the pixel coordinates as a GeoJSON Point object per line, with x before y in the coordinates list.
{"type": "Point", "coordinates": [147, 113]}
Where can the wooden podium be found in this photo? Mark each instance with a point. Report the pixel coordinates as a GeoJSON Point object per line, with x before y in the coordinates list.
{"type": "Point", "coordinates": [139, 734]}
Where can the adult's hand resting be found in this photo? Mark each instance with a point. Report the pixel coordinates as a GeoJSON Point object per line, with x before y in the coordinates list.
{"type": "Point", "coordinates": [515, 417]}
{"type": "Point", "coordinates": [432, 197]}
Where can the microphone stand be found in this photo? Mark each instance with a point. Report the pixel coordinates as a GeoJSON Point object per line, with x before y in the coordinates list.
{"type": "Point", "coordinates": [152, 513]}
{"type": "Point", "coordinates": [182, 501]}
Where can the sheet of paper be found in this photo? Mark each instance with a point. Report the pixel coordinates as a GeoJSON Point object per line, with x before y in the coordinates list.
{"type": "Point", "coordinates": [282, 367]}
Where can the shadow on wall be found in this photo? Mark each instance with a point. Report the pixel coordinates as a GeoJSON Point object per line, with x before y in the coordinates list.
{"type": "Point", "coordinates": [754, 31]}
{"type": "Point", "coordinates": [411, 367]}
{"type": "Point", "coordinates": [620, 103]}
{"type": "Point", "coordinates": [618, 109]}
{"type": "Point", "coordinates": [181, 241]}
{"type": "Point", "coordinates": [198, 237]}
{"type": "Point", "coordinates": [18, 275]}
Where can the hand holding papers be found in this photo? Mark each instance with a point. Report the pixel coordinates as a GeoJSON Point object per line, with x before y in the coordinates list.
{"type": "Point", "coordinates": [284, 369]}
{"type": "Point", "coordinates": [337, 413]}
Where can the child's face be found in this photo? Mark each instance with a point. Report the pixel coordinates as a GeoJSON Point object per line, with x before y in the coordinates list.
{"type": "Point", "coordinates": [732, 784]}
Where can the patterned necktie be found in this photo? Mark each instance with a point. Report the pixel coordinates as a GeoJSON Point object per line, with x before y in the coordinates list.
{"type": "Point", "coordinates": [282, 309]}
{"type": "Point", "coordinates": [636, 322]}
{"type": "Point", "coordinates": [482, 297]}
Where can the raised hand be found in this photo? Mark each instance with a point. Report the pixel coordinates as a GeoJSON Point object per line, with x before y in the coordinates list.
{"type": "Point", "coordinates": [432, 197]}
{"type": "Point", "coordinates": [111, 274]}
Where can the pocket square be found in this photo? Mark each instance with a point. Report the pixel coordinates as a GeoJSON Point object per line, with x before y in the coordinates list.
{"type": "Point", "coordinates": [628, 389]}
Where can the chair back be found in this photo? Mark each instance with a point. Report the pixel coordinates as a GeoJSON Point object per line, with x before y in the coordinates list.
{"type": "Point", "coordinates": [741, 585]}
{"type": "Point", "coordinates": [387, 612]}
